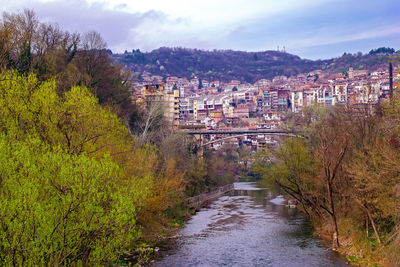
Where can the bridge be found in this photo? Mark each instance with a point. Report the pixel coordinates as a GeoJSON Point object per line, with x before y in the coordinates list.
{"type": "Point", "coordinates": [235, 133]}
{"type": "Point", "coordinates": [240, 131]}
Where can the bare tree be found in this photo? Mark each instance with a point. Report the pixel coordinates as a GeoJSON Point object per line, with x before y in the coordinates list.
{"type": "Point", "coordinates": [20, 30]}
{"type": "Point", "coordinates": [92, 40]}
{"type": "Point", "coordinates": [332, 146]}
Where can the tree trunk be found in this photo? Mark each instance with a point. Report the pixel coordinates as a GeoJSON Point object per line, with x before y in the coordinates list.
{"type": "Point", "coordinates": [373, 225]}
{"type": "Point", "coordinates": [369, 216]}
{"type": "Point", "coordinates": [335, 237]}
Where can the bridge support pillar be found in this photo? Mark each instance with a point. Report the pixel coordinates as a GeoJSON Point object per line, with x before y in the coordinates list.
{"type": "Point", "coordinates": [197, 146]}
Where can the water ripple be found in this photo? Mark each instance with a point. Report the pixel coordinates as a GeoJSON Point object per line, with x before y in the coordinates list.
{"type": "Point", "coordinates": [244, 229]}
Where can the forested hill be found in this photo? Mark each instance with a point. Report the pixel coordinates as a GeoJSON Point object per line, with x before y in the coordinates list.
{"type": "Point", "coordinates": [226, 65]}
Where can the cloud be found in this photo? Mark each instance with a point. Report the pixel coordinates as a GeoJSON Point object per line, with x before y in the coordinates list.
{"type": "Point", "coordinates": [225, 24]}
{"type": "Point", "coordinates": [348, 24]}
{"type": "Point", "coordinates": [337, 38]}
{"type": "Point", "coordinates": [115, 25]}
{"type": "Point", "coordinates": [151, 23]}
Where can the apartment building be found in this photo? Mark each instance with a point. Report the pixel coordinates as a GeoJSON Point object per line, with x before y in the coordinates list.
{"type": "Point", "coordinates": [155, 96]}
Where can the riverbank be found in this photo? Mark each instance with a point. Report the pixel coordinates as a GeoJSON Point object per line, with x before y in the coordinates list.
{"type": "Point", "coordinates": [355, 247]}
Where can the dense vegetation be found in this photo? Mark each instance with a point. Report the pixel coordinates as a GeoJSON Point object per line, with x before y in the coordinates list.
{"type": "Point", "coordinates": [227, 65]}
{"type": "Point", "coordinates": [30, 46]}
{"type": "Point", "coordinates": [382, 50]}
{"type": "Point", "coordinates": [346, 178]}
{"type": "Point", "coordinates": [81, 183]}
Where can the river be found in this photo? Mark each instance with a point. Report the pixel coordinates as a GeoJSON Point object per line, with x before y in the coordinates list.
{"type": "Point", "coordinates": [247, 228]}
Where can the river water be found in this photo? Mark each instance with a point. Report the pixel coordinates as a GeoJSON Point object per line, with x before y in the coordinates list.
{"type": "Point", "coordinates": [247, 228]}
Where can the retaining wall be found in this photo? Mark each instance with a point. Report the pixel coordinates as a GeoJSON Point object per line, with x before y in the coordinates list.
{"type": "Point", "coordinates": [198, 201]}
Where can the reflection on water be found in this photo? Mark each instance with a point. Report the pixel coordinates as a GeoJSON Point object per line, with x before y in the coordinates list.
{"type": "Point", "coordinates": [244, 228]}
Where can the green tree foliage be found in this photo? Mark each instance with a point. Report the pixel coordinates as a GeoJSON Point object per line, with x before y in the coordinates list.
{"type": "Point", "coordinates": [74, 121]}
{"type": "Point", "coordinates": [382, 50]}
{"type": "Point", "coordinates": [64, 198]}
{"type": "Point", "coordinates": [295, 171]}
{"type": "Point", "coordinates": [59, 209]}
{"type": "Point", "coordinates": [74, 187]}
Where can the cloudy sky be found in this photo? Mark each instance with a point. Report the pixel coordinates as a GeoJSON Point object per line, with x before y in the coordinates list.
{"type": "Point", "coordinates": [308, 28]}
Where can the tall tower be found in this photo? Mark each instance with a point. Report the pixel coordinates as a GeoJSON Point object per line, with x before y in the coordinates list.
{"type": "Point", "coordinates": [390, 80]}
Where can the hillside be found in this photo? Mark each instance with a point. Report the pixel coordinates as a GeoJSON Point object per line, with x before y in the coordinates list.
{"type": "Point", "coordinates": [226, 65]}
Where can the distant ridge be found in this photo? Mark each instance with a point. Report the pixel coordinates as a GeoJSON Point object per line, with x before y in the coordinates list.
{"type": "Point", "coordinates": [226, 65]}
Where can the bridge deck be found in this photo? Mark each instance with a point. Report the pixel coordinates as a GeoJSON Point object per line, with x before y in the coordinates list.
{"type": "Point", "coordinates": [236, 132]}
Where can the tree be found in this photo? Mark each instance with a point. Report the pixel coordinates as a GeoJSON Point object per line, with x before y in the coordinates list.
{"type": "Point", "coordinates": [200, 84]}
{"type": "Point", "coordinates": [44, 49]}
{"type": "Point", "coordinates": [75, 121]}
{"type": "Point", "coordinates": [148, 124]}
{"type": "Point", "coordinates": [295, 171]}
{"type": "Point", "coordinates": [60, 209]}
{"type": "Point", "coordinates": [312, 173]}
{"type": "Point", "coordinates": [63, 196]}
{"type": "Point", "coordinates": [383, 50]}
{"type": "Point", "coordinates": [331, 148]}
{"type": "Point", "coordinates": [69, 149]}
{"type": "Point", "coordinates": [20, 30]}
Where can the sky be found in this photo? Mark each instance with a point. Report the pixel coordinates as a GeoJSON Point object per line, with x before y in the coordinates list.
{"type": "Point", "coordinates": [313, 29]}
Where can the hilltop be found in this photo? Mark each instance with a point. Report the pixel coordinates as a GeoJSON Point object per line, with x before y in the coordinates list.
{"type": "Point", "coordinates": [226, 65]}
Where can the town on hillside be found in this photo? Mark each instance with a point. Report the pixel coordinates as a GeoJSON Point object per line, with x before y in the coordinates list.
{"type": "Point", "coordinates": [199, 103]}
